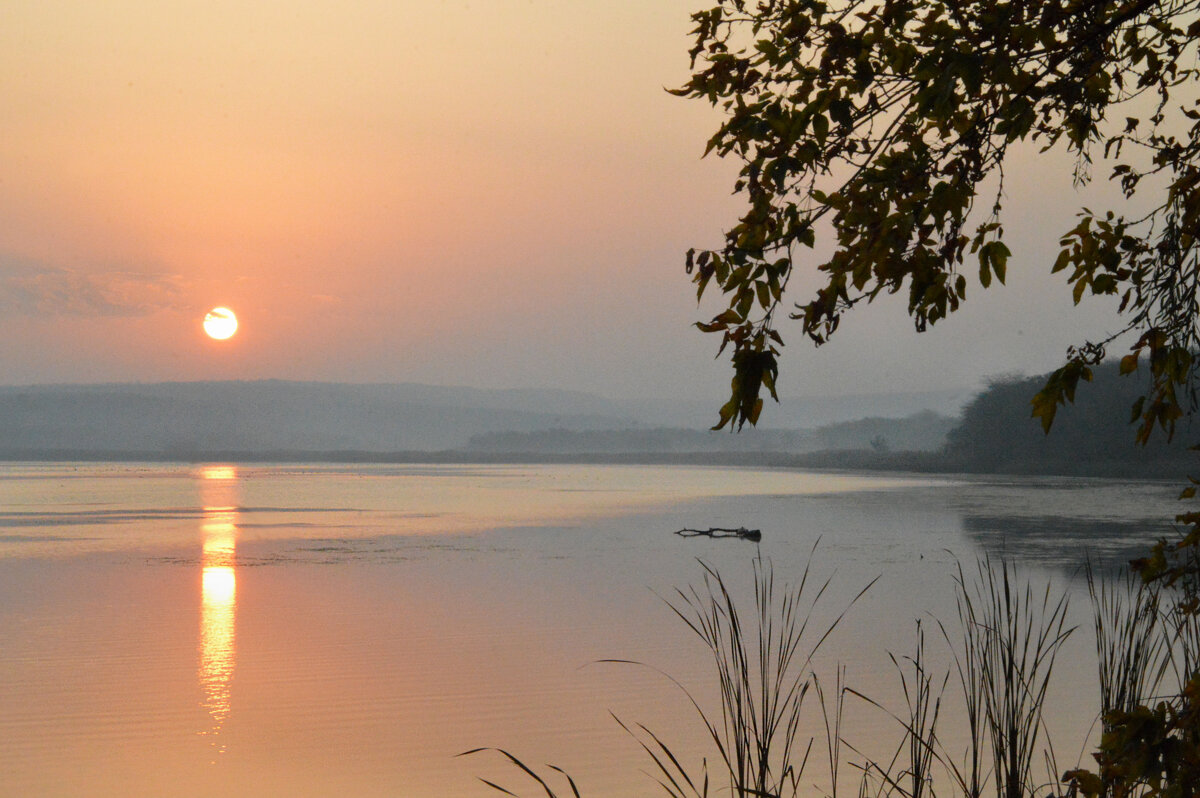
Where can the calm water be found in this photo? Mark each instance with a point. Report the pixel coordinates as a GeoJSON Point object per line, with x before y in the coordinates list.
{"type": "Point", "coordinates": [335, 630]}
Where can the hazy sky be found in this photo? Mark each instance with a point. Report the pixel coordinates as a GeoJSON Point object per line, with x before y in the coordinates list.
{"type": "Point", "coordinates": [493, 193]}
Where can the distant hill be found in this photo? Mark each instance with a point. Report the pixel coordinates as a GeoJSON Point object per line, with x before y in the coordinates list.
{"type": "Point", "coordinates": [924, 431]}
{"type": "Point", "coordinates": [654, 440]}
{"type": "Point", "coordinates": [189, 419]}
{"type": "Point", "coordinates": [227, 419]}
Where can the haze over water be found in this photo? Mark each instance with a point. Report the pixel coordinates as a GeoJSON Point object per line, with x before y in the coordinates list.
{"type": "Point", "coordinates": [319, 630]}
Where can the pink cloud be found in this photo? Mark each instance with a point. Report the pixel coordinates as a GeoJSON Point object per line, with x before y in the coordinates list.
{"type": "Point", "coordinates": [38, 289]}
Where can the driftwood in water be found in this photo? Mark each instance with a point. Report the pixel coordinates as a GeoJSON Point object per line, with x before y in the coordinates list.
{"type": "Point", "coordinates": [722, 532]}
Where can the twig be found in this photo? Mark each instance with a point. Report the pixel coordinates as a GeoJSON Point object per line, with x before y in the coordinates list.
{"type": "Point", "coordinates": [722, 532]}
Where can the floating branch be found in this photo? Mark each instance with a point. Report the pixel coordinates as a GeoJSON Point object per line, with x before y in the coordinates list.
{"type": "Point", "coordinates": [722, 532]}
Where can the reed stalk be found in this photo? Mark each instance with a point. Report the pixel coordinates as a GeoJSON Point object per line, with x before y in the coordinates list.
{"type": "Point", "coordinates": [923, 699]}
{"type": "Point", "coordinates": [832, 712]}
{"type": "Point", "coordinates": [1022, 631]}
{"type": "Point", "coordinates": [1132, 653]}
{"type": "Point", "coordinates": [763, 661]}
{"type": "Point", "coordinates": [910, 772]}
{"type": "Point", "coordinates": [542, 782]}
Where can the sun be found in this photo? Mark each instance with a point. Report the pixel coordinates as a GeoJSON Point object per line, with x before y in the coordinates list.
{"type": "Point", "coordinates": [220, 323]}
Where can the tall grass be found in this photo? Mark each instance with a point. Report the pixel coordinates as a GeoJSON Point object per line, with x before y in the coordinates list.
{"type": "Point", "coordinates": [1131, 651]}
{"type": "Point", "coordinates": [1022, 632]}
{"type": "Point", "coordinates": [762, 661]}
{"type": "Point", "coordinates": [1182, 633]}
{"type": "Point", "coordinates": [1181, 625]}
{"type": "Point", "coordinates": [910, 772]}
{"type": "Point", "coordinates": [923, 700]}
{"type": "Point", "coordinates": [1004, 650]}
{"type": "Point", "coordinates": [530, 774]}
{"type": "Point", "coordinates": [832, 713]}
{"type": "Point", "coordinates": [967, 648]}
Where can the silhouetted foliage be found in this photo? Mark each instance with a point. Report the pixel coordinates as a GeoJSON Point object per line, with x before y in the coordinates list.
{"type": "Point", "coordinates": [879, 123]}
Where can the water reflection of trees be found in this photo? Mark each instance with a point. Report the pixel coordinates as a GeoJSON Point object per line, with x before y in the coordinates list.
{"type": "Point", "coordinates": [1062, 542]}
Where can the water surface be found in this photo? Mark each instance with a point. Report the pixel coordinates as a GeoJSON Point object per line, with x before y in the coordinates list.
{"type": "Point", "coordinates": [322, 630]}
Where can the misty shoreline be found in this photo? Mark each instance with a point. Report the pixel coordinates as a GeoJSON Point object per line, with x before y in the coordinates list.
{"type": "Point", "coordinates": [282, 422]}
{"type": "Point", "coordinates": [855, 461]}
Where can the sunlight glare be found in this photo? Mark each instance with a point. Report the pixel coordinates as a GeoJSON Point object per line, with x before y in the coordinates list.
{"type": "Point", "coordinates": [218, 594]}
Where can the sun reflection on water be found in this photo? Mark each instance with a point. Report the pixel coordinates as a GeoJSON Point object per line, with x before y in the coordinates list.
{"type": "Point", "coordinates": [218, 472]}
{"type": "Point", "coordinates": [218, 593]}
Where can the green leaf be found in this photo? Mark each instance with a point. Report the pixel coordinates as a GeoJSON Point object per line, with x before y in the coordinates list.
{"type": "Point", "coordinates": [999, 257]}
{"type": "Point", "coordinates": [755, 411]}
{"type": "Point", "coordinates": [820, 125]}
{"type": "Point", "coordinates": [1137, 409]}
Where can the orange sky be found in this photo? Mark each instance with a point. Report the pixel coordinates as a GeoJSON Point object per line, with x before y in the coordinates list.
{"type": "Point", "coordinates": [492, 193]}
